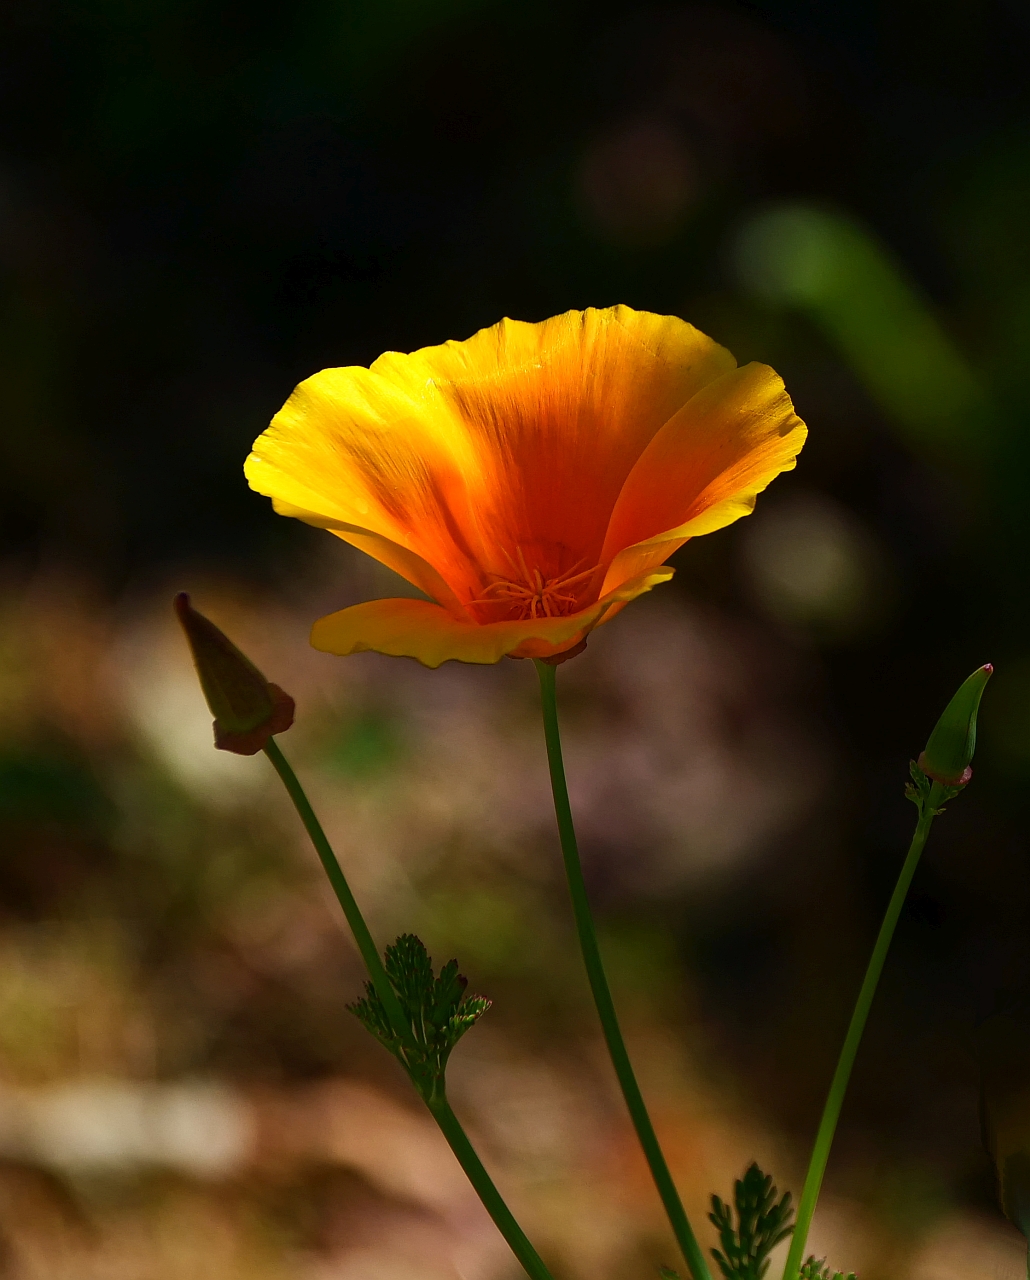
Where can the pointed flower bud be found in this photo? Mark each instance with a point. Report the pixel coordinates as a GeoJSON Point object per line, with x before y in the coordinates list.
{"type": "Point", "coordinates": [248, 710]}
{"type": "Point", "coordinates": [951, 745]}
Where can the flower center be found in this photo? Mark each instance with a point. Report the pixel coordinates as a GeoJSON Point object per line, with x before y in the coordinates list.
{"type": "Point", "coordinates": [528, 593]}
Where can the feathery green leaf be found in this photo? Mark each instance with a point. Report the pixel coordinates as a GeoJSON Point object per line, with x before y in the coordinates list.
{"type": "Point", "coordinates": [818, 1270]}
{"type": "Point", "coordinates": [762, 1222]}
{"type": "Point", "coordinates": [436, 1007]}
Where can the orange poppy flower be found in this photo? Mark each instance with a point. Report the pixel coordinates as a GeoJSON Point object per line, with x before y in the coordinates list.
{"type": "Point", "coordinates": [530, 481]}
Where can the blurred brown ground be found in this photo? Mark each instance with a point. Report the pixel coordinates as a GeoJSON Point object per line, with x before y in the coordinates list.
{"type": "Point", "coordinates": [181, 1089]}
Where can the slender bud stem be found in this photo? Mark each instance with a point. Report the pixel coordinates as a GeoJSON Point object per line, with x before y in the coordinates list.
{"type": "Point", "coordinates": [356, 921]}
{"type": "Point", "coordinates": [466, 1155]}
{"type": "Point", "coordinates": [838, 1087]}
{"type": "Point", "coordinates": [602, 993]}
{"type": "Point", "coordinates": [439, 1107]}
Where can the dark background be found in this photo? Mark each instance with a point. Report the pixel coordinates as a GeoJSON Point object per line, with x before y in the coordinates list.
{"type": "Point", "coordinates": [203, 203]}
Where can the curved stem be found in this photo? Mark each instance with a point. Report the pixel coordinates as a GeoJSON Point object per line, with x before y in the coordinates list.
{"type": "Point", "coordinates": [839, 1084]}
{"type": "Point", "coordinates": [352, 912]}
{"type": "Point", "coordinates": [503, 1218]}
{"type": "Point", "coordinates": [599, 985]}
{"type": "Point", "coordinates": [439, 1107]}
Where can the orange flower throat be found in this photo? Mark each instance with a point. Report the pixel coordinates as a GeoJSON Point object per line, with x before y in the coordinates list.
{"type": "Point", "coordinates": [528, 593]}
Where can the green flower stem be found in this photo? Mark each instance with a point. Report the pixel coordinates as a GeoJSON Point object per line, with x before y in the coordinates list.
{"type": "Point", "coordinates": [838, 1087]}
{"type": "Point", "coordinates": [439, 1107]}
{"type": "Point", "coordinates": [362, 936]}
{"type": "Point", "coordinates": [503, 1218]}
{"type": "Point", "coordinates": [599, 985]}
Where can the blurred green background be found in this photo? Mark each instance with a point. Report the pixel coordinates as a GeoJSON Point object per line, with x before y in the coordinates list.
{"type": "Point", "coordinates": [202, 203]}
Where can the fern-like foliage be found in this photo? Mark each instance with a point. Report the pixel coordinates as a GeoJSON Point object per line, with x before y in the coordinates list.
{"type": "Point", "coordinates": [761, 1191]}
{"type": "Point", "coordinates": [436, 1008]}
{"type": "Point", "coordinates": [762, 1222]}
{"type": "Point", "coordinates": [814, 1269]}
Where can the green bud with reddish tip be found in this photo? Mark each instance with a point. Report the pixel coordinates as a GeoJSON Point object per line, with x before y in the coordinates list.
{"type": "Point", "coordinates": [247, 709]}
{"type": "Point", "coordinates": [950, 749]}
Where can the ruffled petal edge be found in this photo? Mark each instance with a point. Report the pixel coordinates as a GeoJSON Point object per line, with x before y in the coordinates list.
{"type": "Point", "coordinates": [432, 635]}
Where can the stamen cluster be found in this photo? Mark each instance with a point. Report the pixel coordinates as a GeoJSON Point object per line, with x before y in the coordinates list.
{"type": "Point", "coordinates": [532, 595]}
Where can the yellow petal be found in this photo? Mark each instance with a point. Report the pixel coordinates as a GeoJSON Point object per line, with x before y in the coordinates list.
{"type": "Point", "coordinates": [519, 438]}
{"type": "Point", "coordinates": [349, 449]}
{"type": "Point", "coordinates": [703, 470]}
{"type": "Point", "coordinates": [422, 630]}
{"type": "Point", "coordinates": [410, 566]}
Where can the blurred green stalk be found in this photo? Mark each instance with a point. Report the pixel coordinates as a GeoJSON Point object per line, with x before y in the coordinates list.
{"type": "Point", "coordinates": [832, 268]}
{"type": "Point", "coordinates": [599, 985]}
{"type": "Point", "coordinates": [838, 1087]}
{"type": "Point", "coordinates": [439, 1108]}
